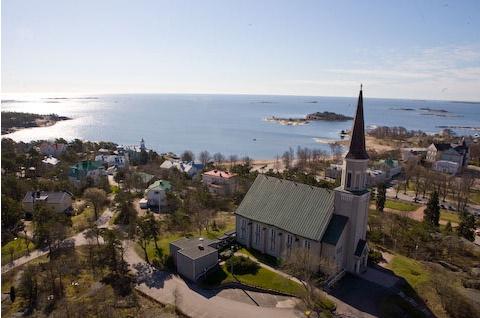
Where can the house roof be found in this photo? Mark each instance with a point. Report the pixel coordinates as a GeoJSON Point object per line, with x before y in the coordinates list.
{"type": "Point", "coordinates": [164, 185]}
{"type": "Point", "coordinates": [190, 247]}
{"type": "Point", "coordinates": [220, 174]}
{"type": "Point", "coordinates": [167, 164]}
{"type": "Point", "coordinates": [335, 228]}
{"type": "Point", "coordinates": [294, 207]}
{"type": "Point", "coordinates": [146, 177]}
{"type": "Point", "coordinates": [48, 196]}
{"type": "Point", "coordinates": [357, 148]}
{"type": "Point", "coordinates": [198, 251]}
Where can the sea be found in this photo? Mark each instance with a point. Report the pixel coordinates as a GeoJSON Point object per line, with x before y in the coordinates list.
{"type": "Point", "coordinates": [229, 124]}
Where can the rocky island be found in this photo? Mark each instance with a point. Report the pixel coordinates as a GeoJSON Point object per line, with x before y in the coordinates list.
{"type": "Point", "coordinates": [326, 116]}
{"type": "Point", "coordinates": [13, 121]}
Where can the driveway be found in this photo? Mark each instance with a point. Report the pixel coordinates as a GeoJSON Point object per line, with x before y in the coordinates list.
{"type": "Point", "coordinates": [197, 302]}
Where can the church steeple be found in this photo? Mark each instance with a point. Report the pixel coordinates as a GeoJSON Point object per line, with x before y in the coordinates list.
{"type": "Point", "coordinates": [355, 164]}
{"type": "Point", "coordinates": [357, 143]}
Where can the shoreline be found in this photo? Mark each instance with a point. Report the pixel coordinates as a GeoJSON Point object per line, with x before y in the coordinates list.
{"type": "Point", "coordinates": [41, 121]}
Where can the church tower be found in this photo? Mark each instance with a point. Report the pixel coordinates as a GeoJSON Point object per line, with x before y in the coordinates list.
{"type": "Point", "coordinates": [352, 197]}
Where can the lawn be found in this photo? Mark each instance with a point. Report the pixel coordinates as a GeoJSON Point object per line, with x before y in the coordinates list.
{"type": "Point", "coordinates": [401, 205]}
{"type": "Point", "coordinates": [264, 278]}
{"type": "Point", "coordinates": [80, 221]}
{"type": "Point", "coordinates": [475, 196]}
{"type": "Point", "coordinates": [19, 246]}
{"type": "Point", "coordinates": [414, 272]}
{"type": "Point", "coordinates": [264, 258]}
{"type": "Point", "coordinates": [166, 238]}
{"type": "Point", "coordinates": [446, 215]}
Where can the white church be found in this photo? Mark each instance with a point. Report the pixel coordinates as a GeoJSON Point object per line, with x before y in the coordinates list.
{"type": "Point", "coordinates": [277, 216]}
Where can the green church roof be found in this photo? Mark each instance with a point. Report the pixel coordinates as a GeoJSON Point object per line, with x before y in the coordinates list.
{"type": "Point", "coordinates": [294, 207]}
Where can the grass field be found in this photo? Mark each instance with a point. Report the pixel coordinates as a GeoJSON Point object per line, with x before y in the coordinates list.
{"type": "Point", "coordinates": [264, 278]}
{"type": "Point", "coordinates": [401, 205]}
{"type": "Point", "coordinates": [446, 215]}
{"type": "Point", "coordinates": [19, 247]}
{"type": "Point", "coordinates": [414, 272]}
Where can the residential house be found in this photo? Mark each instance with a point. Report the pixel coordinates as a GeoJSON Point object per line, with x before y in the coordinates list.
{"type": "Point", "coordinates": [220, 182]}
{"type": "Point", "coordinates": [334, 171]}
{"type": "Point", "coordinates": [375, 177]}
{"type": "Point", "coordinates": [194, 257]}
{"type": "Point", "coordinates": [444, 166]}
{"type": "Point", "coordinates": [58, 201]}
{"type": "Point", "coordinates": [416, 154]}
{"type": "Point", "coordinates": [278, 216]}
{"type": "Point", "coordinates": [390, 166]}
{"type": "Point", "coordinates": [458, 153]}
{"type": "Point", "coordinates": [190, 168]}
{"type": "Point", "coordinates": [156, 193]}
{"type": "Point", "coordinates": [86, 170]}
{"type": "Point", "coordinates": [52, 149]}
{"type": "Point", "coordinates": [117, 161]}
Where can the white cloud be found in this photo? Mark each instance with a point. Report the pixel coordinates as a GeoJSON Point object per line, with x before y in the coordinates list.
{"type": "Point", "coordinates": [433, 73]}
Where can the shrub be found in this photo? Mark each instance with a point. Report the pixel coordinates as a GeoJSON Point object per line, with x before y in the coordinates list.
{"type": "Point", "coordinates": [242, 265]}
{"type": "Point", "coordinates": [375, 256]}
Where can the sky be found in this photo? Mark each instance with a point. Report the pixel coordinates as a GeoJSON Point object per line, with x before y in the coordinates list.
{"type": "Point", "coordinates": [397, 49]}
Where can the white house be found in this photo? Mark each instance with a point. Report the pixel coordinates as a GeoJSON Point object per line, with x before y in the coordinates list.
{"type": "Point", "coordinates": [118, 161]}
{"type": "Point", "coordinates": [156, 193]}
{"type": "Point", "coordinates": [444, 166]}
{"type": "Point", "coordinates": [278, 216]}
{"type": "Point", "coordinates": [333, 171]}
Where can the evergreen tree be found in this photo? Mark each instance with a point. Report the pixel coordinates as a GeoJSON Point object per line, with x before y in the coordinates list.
{"type": "Point", "coordinates": [466, 228]}
{"type": "Point", "coordinates": [381, 197]}
{"type": "Point", "coordinates": [432, 212]}
{"type": "Point", "coordinates": [448, 227]}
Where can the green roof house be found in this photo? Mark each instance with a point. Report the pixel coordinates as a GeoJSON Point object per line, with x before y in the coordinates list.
{"type": "Point", "coordinates": [156, 194]}
{"type": "Point", "coordinates": [79, 172]}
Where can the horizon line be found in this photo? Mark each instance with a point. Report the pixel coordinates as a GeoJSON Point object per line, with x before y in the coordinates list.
{"type": "Point", "coordinates": [229, 93]}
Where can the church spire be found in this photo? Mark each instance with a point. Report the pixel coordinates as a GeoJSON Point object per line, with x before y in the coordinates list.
{"type": "Point", "coordinates": [357, 143]}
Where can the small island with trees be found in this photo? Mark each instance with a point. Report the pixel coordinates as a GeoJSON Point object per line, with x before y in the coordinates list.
{"type": "Point", "coordinates": [325, 116]}
{"type": "Point", "coordinates": [13, 121]}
